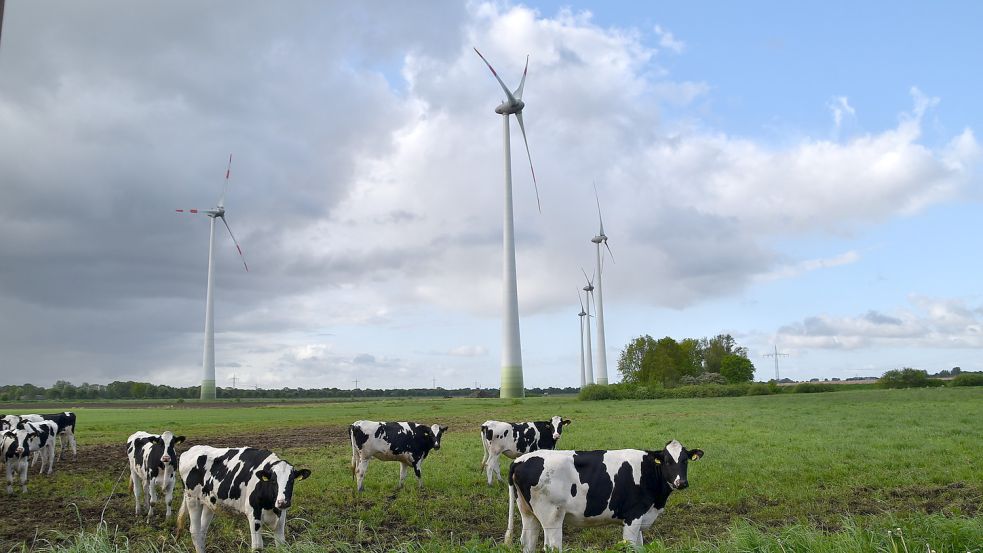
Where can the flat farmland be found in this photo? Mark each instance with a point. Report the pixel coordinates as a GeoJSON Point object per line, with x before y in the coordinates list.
{"type": "Point", "coordinates": [829, 471]}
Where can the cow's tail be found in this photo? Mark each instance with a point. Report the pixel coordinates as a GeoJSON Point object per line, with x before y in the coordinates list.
{"type": "Point", "coordinates": [512, 500]}
{"type": "Point", "coordinates": [484, 444]}
{"type": "Point", "coordinates": [351, 434]}
{"type": "Point", "coordinates": [180, 515]}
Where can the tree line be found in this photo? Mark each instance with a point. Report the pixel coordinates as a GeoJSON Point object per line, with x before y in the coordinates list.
{"type": "Point", "coordinates": [667, 363]}
{"type": "Point", "coordinates": [63, 390]}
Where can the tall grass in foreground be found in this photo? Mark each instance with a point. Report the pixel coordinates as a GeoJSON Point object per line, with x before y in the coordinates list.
{"type": "Point", "coordinates": [884, 534]}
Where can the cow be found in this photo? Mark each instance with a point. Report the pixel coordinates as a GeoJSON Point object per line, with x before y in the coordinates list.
{"type": "Point", "coordinates": [515, 438]}
{"type": "Point", "coordinates": [65, 422]}
{"type": "Point", "coordinates": [629, 487]}
{"type": "Point", "coordinates": [251, 481]}
{"type": "Point", "coordinates": [16, 445]}
{"type": "Point", "coordinates": [406, 442]}
{"type": "Point", "coordinates": [153, 464]}
{"type": "Point", "coordinates": [44, 444]}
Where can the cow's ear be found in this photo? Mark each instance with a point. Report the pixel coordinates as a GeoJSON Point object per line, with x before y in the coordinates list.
{"type": "Point", "coordinates": [565, 422]}
{"type": "Point", "coordinates": [657, 457]}
{"type": "Point", "coordinates": [178, 439]}
{"type": "Point", "coordinates": [695, 454]}
{"type": "Point", "coordinates": [301, 474]}
{"type": "Point", "coordinates": [264, 475]}
{"type": "Point", "coordinates": [443, 429]}
{"type": "Point", "coordinates": [157, 440]}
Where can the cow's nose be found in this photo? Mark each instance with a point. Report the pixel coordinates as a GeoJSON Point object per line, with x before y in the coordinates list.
{"type": "Point", "coordinates": [681, 484]}
{"type": "Point", "coordinates": [556, 436]}
{"type": "Point", "coordinates": [165, 459]}
{"type": "Point", "coordinates": [20, 450]}
{"type": "Point", "coordinates": [282, 503]}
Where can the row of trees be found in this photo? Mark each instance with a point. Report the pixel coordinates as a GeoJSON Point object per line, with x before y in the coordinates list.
{"type": "Point", "coordinates": [144, 390]}
{"type": "Point", "coordinates": [668, 363]}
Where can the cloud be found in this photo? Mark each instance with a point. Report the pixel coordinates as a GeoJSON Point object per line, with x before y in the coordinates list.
{"type": "Point", "coordinates": [468, 351]}
{"type": "Point", "coordinates": [668, 41]}
{"type": "Point", "coordinates": [927, 322]}
{"type": "Point", "coordinates": [367, 183]}
{"type": "Point", "coordinates": [795, 269]}
{"type": "Point", "coordinates": [840, 106]}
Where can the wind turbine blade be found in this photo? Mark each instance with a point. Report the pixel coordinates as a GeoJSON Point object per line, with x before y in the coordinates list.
{"type": "Point", "coordinates": [186, 210]}
{"type": "Point", "coordinates": [610, 253]}
{"type": "Point", "coordinates": [505, 88]}
{"type": "Point", "coordinates": [236, 242]}
{"type": "Point", "coordinates": [581, 300]}
{"type": "Point", "coordinates": [597, 199]}
{"type": "Point", "coordinates": [225, 186]}
{"type": "Point", "coordinates": [522, 83]}
{"type": "Point", "coordinates": [518, 117]}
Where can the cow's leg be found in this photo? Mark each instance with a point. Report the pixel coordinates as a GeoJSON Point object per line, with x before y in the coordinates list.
{"type": "Point", "coordinates": [71, 442]}
{"type": "Point", "coordinates": [23, 476]}
{"type": "Point", "coordinates": [403, 470]}
{"type": "Point", "coordinates": [168, 496]}
{"type": "Point", "coordinates": [530, 531]}
{"type": "Point", "coordinates": [10, 477]}
{"type": "Point", "coordinates": [195, 508]}
{"type": "Point", "coordinates": [491, 468]}
{"type": "Point", "coordinates": [551, 519]}
{"type": "Point", "coordinates": [136, 485]}
{"type": "Point", "coordinates": [51, 457]}
{"type": "Point", "coordinates": [485, 455]}
{"type": "Point", "coordinates": [419, 474]}
{"type": "Point", "coordinates": [632, 533]}
{"type": "Point", "coordinates": [360, 470]}
{"type": "Point", "coordinates": [206, 520]}
{"type": "Point", "coordinates": [149, 496]}
{"type": "Point", "coordinates": [279, 534]}
{"type": "Point", "coordinates": [256, 531]}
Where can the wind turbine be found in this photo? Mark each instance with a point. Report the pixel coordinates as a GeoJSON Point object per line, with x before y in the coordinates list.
{"type": "Point", "coordinates": [583, 366]}
{"type": "Point", "coordinates": [208, 358]}
{"type": "Point", "coordinates": [589, 289]}
{"type": "Point", "coordinates": [511, 343]}
{"type": "Point", "coordinates": [602, 358]}
{"type": "Point", "coordinates": [1, 16]}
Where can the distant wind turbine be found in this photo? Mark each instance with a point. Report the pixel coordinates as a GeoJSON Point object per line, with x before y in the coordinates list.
{"type": "Point", "coordinates": [589, 289]}
{"type": "Point", "coordinates": [602, 358]}
{"type": "Point", "coordinates": [583, 366]}
{"type": "Point", "coordinates": [2, 2]}
{"type": "Point", "coordinates": [208, 359]}
{"type": "Point", "coordinates": [511, 342]}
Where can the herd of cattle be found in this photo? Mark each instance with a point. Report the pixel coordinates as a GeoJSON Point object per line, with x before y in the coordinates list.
{"type": "Point", "coordinates": [550, 487]}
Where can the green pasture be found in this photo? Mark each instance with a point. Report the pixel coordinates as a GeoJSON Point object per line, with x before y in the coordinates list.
{"type": "Point", "coordinates": [829, 472]}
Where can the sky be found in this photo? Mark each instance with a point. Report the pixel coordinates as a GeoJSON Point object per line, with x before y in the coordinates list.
{"type": "Point", "coordinates": [801, 177]}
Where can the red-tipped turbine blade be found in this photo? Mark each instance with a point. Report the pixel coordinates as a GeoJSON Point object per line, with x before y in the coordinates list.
{"type": "Point", "coordinates": [508, 92]}
{"type": "Point", "coordinates": [186, 210]}
{"type": "Point", "coordinates": [236, 242]}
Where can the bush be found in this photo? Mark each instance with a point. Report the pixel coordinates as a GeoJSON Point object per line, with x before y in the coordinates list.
{"type": "Point", "coordinates": [814, 388]}
{"type": "Point", "coordinates": [968, 379]}
{"type": "Point", "coordinates": [630, 391]}
{"type": "Point", "coordinates": [907, 378]}
{"type": "Point", "coordinates": [759, 389]}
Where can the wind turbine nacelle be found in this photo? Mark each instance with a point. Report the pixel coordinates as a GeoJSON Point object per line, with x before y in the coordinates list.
{"type": "Point", "coordinates": [506, 108]}
{"type": "Point", "coordinates": [598, 239]}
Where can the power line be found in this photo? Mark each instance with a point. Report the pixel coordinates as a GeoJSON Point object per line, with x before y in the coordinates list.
{"type": "Point", "coordinates": [776, 355]}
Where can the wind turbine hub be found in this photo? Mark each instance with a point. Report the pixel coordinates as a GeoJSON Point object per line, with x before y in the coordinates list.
{"type": "Point", "coordinates": [508, 108]}
{"type": "Point", "coordinates": [598, 239]}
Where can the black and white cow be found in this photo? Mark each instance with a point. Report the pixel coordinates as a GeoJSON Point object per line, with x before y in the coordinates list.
{"type": "Point", "coordinates": [251, 481]}
{"type": "Point", "coordinates": [153, 464]}
{"type": "Point", "coordinates": [591, 488]}
{"type": "Point", "coordinates": [65, 422]}
{"type": "Point", "coordinates": [17, 444]}
{"type": "Point", "coordinates": [515, 438]}
{"type": "Point", "coordinates": [406, 442]}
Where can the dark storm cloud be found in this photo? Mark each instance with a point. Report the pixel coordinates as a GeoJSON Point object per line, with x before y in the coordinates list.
{"type": "Point", "coordinates": [115, 113]}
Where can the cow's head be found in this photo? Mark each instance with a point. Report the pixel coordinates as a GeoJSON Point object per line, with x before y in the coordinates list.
{"type": "Point", "coordinates": [672, 461]}
{"type": "Point", "coordinates": [20, 439]}
{"type": "Point", "coordinates": [557, 424]}
{"type": "Point", "coordinates": [437, 432]}
{"type": "Point", "coordinates": [168, 440]}
{"type": "Point", "coordinates": [276, 483]}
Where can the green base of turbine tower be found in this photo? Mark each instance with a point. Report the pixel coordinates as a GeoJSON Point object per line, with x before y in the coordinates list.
{"type": "Point", "coordinates": [512, 383]}
{"type": "Point", "coordinates": [207, 389]}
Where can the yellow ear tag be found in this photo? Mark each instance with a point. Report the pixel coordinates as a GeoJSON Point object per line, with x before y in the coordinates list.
{"type": "Point", "coordinates": [658, 462]}
{"type": "Point", "coordinates": [694, 457]}
{"type": "Point", "coordinates": [264, 478]}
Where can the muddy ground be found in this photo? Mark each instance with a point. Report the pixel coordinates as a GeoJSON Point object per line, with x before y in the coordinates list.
{"type": "Point", "coordinates": [50, 512]}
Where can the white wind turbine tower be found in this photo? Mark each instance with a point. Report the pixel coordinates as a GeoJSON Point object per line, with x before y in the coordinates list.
{"type": "Point", "coordinates": [511, 385]}
{"type": "Point", "coordinates": [602, 358]}
{"type": "Point", "coordinates": [208, 358]}
{"type": "Point", "coordinates": [583, 366]}
{"type": "Point", "coordinates": [589, 289]}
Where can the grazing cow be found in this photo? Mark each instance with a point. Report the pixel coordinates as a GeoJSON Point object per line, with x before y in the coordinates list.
{"type": "Point", "coordinates": [406, 442]}
{"type": "Point", "coordinates": [43, 445]}
{"type": "Point", "coordinates": [153, 464]}
{"type": "Point", "coordinates": [591, 488]}
{"type": "Point", "coordinates": [251, 481]}
{"type": "Point", "coordinates": [514, 439]}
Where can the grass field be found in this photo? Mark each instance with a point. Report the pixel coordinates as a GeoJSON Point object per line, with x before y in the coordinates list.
{"type": "Point", "coordinates": [804, 472]}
